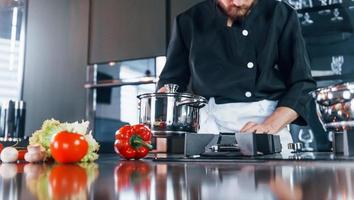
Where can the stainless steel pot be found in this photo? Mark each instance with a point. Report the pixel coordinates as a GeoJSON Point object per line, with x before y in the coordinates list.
{"type": "Point", "coordinates": [170, 113]}
{"type": "Point", "coordinates": [335, 106]}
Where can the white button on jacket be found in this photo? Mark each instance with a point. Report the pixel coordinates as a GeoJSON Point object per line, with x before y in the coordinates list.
{"type": "Point", "coordinates": [245, 32]}
{"type": "Point", "coordinates": [248, 94]}
{"type": "Point", "coordinates": [250, 65]}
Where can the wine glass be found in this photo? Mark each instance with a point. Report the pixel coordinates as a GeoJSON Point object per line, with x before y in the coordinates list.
{"type": "Point", "coordinates": [307, 19]}
{"type": "Point", "coordinates": [337, 16]}
{"type": "Point", "coordinates": [307, 138]}
{"type": "Point", "coordinates": [336, 65]}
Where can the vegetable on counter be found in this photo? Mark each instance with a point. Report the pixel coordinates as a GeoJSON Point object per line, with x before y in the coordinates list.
{"type": "Point", "coordinates": [133, 142]}
{"type": "Point", "coordinates": [9, 154]}
{"type": "Point", "coordinates": [50, 128]}
{"type": "Point", "coordinates": [21, 154]}
{"type": "Point", "coordinates": [68, 147]}
{"type": "Point", "coordinates": [13, 154]}
{"type": "Point", "coordinates": [36, 153]}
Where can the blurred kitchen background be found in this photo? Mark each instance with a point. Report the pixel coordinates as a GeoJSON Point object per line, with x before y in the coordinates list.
{"type": "Point", "coordinates": [89, 59]}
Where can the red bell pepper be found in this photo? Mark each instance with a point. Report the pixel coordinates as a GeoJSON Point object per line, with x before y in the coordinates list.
{"type": "Point", "coordinates": [133, 141]}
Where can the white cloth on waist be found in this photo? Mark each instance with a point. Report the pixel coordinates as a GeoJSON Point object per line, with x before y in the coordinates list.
{"type": "Point", "coordinates": [231, 117]}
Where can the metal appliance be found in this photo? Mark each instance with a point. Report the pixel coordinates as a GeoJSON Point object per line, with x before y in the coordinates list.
{"type": "Point", "coordinates": [12, 121]}
{"type": "Point", "coordinates": [174, 120]}
{"type": "Point", "coordinates": [225, 145]}
{"type": "Point", "coordinates": [335, 109]}
{"type": "Point", "coordinates": [170, 113]}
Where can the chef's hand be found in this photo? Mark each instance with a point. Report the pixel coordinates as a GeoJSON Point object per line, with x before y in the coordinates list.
{"type": "Point", "coordinates": [162, 90]}
{"type": "Point", "coordinates": [252, 127]}
{"type": "Point", "coordinates": [279, 119]}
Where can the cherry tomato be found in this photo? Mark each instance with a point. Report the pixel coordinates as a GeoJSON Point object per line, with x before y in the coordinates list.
{"type": "Point", "coordinates": [21, 154]}
{"type": "Point", "coordinates": [68, 147]}
{"type": "Point", "coordinates": [67, 181]}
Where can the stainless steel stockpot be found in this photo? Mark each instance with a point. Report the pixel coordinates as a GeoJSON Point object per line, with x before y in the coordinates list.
{"type": "Point", "coordinates": [170, 113]}
{"type": "Point", "coordinates": [335, 106]}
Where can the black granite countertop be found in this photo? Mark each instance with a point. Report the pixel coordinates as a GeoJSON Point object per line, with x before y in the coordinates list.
{"type": "Point", "coordinates": [246, 178]}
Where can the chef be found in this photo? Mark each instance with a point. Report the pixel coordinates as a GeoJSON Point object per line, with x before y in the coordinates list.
{"type": "Point", "coordinates": [248, 58]}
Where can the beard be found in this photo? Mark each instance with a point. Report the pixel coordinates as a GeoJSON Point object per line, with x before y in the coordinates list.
{"type": "Point", "coordinates": [234, 12]}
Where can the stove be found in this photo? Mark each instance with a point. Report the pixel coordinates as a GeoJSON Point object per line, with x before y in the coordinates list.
{"type": "Point", "coordinates": [223, 145]}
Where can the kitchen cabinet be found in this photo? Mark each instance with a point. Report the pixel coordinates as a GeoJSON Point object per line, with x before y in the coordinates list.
{"type": "Point", "coordinates": [56, 55]}
{"type": "Point", "coordinates": [178, 6]}
{"type": "Point", "coordinates": [123, 30]}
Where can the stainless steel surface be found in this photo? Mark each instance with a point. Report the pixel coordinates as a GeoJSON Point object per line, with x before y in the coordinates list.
{"type": "Point", "coordinates": [20, 105]}
{"type": "Point", "coordinates": [111, 178]}
{"type": "Point", "coordinates": [2, 120]}
{"type": "Point", "coordinates": [171, 88]}
{"type": "Point", "coordinates": [12, 120]}
{"type": "Point", "coordinates": [296, 147]}
{"type": "Point", "coordinates": [335, 106]}
{"type": "Point", "coordinates": [170, 113]}
{"type": "Point", "coordinates": [119, 83]}
{"type": "Point", "coordinates": [9, 119]}
{"type": "Point", "coordinates": [19, 120]}
{"type": "Point", "coordinates": [163, 133]}
{"type": "Point", "coordinates": [348, 143]}
{"type": "Point", "coordinates": [91, 95]}
{"type": "Point", "coordinates": [246, 143]}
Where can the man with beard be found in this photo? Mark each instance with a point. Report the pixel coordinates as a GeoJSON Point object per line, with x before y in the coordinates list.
{"type": "Point", "coordinates": [248, 58]}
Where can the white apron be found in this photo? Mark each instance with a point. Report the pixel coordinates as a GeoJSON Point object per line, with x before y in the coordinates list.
{"type": "Point", "coordinates": [231, 117]}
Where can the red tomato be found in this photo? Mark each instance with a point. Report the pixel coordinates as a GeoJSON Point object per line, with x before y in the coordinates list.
{"type": "Point", "coordinates": [68, 147]}
{"type": "Point", "coordinates": [67, 181]}
{"type": "Point", "coordinates": [21, 154]}
{"type": "Point", "coordinates": [1, 147]}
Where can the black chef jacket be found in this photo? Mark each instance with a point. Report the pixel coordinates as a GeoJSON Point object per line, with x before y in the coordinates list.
{"type": "Point", "coordinates": [261, 57]}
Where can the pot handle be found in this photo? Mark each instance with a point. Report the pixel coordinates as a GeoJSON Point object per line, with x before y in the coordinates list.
{"type": "Point", "coordinates": [197, 103]}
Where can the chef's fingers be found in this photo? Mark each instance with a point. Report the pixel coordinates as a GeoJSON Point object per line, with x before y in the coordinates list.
{"type": "Point", "coordinates": [258, 129]}
{"type": "Point", "coordinates": [248, 126]}
{"type": "Point", "coordinates": [265, 129]}
{"type": "Point", "coordinates": [162, 90]}
{"type": "Point", "coordinates": [254, 129]}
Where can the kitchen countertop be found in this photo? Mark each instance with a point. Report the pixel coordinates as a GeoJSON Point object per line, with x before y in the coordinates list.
{"type": "Point", "coordinates": [247, 178]}
{"type": "Point", "coordinates": [300, 156]}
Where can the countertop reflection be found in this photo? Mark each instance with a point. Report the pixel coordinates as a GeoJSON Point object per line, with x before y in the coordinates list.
{"type": "Point", "coordinates": [111, 178]}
